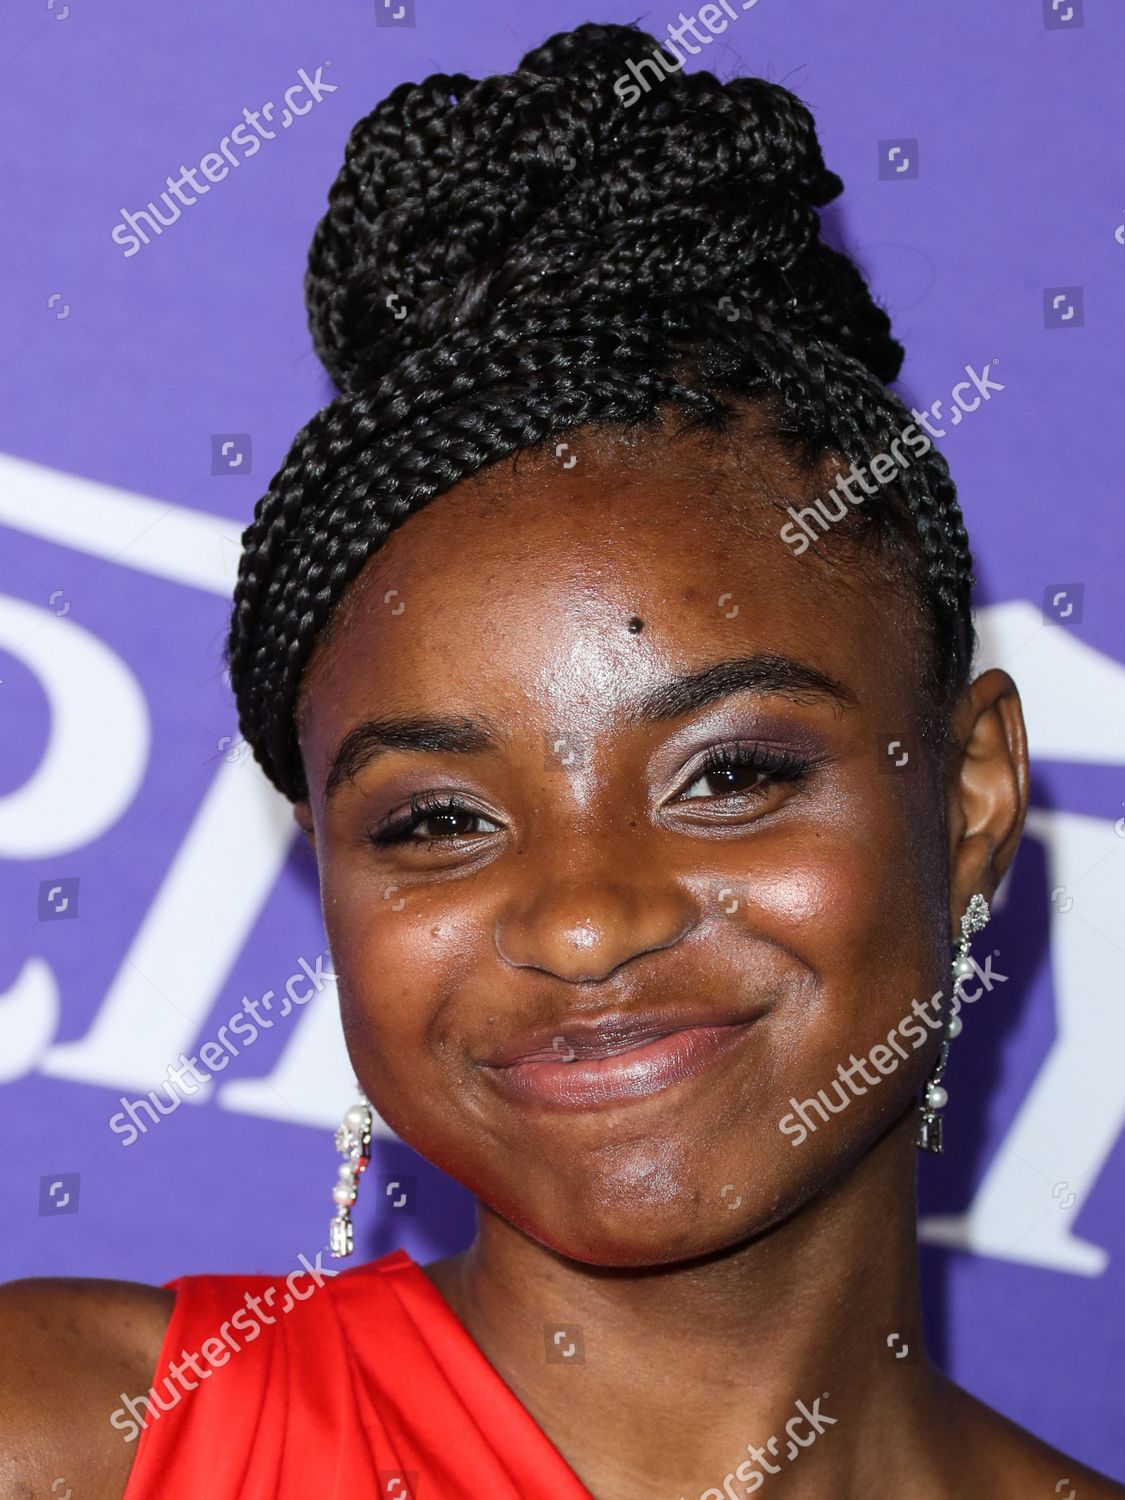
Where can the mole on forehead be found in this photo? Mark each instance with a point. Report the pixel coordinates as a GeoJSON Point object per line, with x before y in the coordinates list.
{"type": "Point", "coordinates": [702, 472]}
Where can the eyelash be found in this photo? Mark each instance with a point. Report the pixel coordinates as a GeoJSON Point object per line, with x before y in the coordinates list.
{"type": "Point", "coordinates": [723, 759]}
{"type": "Point", "coordinates": [771, 765]}
{"type": "Point", "coordinates": [423, 805]}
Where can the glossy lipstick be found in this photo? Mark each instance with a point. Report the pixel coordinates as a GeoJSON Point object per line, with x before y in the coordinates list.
{"type": "Point", "coordinates": [633, 1069]}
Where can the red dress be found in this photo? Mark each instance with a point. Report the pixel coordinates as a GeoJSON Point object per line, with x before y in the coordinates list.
{"type": "Point", "coordinates": [369, 1387]}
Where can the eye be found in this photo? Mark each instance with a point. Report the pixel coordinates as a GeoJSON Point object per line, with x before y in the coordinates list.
{"type": "Point", "coordinates": [446, 820]}
{"type": "Point", "coordinates": [741, 770]}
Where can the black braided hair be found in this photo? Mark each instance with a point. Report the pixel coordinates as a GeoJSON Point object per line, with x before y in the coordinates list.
{"type": "Point", "coordinates": [506, 259]}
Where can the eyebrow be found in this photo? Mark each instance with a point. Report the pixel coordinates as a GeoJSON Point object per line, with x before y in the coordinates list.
{"type": "Point", "coordinates": [764, 673]}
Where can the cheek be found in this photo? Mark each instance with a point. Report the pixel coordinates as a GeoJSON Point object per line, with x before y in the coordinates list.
{"type": "Point", "coordinates": [860, 903]}
{"type": "Point", "coordinates": [833, 890]}
{"type": "Point", "coordinates": [402, 958]}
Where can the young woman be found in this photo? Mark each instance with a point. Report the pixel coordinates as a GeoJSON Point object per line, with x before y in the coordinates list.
{"type": "Point", "coordinates": [610, 634]}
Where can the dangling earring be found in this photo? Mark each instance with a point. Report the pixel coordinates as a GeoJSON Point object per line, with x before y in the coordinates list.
{"type": "Point", "coordinates": [934, 1097]}
{"type": "Point", "coordinates": [353, 1141]}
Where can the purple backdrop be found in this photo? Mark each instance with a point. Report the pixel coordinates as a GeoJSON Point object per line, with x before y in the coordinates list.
{"type": "Point", "coordinates": [150, 879]}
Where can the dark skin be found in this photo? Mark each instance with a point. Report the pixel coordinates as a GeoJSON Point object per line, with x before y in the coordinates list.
{"type": "Point", "coordinates": [607, 883]}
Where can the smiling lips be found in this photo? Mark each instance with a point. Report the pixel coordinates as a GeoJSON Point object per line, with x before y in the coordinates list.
{"type": "Point", "coordinates": [613, 1061]}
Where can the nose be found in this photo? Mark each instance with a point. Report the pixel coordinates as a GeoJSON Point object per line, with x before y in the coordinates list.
{"type": "Point", "coordinates": [582, 923]}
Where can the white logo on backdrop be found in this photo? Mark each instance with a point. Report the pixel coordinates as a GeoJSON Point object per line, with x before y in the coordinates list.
{"type": "Point", "coordinates": [224, 872]}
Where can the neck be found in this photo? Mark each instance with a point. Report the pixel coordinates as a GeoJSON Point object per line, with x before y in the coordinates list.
{"type": "Point", "coordinates": [680, 1373]}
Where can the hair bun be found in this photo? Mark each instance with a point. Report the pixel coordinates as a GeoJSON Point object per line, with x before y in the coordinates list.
{"type": "Point", "coordinates": [463, 206]}
{"type": "Point", "coordinates": [591, 49]}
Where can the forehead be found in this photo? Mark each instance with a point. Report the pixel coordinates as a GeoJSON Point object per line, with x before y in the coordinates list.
{"type": "Point", "coordinates": [518, 586]}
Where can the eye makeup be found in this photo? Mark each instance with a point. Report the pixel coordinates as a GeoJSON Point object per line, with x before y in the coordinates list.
{"type": "Point", "coordinates": [743, 769]}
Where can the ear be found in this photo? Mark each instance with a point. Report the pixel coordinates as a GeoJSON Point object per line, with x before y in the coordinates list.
{"type": "Point", "coordinates": [988, 788]}
{"type": "Point", "coordinates": [302, 813]}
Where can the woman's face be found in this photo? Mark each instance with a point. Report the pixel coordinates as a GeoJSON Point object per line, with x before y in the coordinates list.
{"type": "Point", "coordinates": [563, 620]}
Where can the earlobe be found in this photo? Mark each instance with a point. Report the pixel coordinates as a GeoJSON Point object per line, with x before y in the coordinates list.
{"type": "Point", "coordinates": [302, 814]}
{"type": "Point", "coordinates": [988, 795]}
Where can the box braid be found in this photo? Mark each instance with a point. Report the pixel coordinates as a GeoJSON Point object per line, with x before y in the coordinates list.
{"type": "Point", "coordinates": [560, 260]}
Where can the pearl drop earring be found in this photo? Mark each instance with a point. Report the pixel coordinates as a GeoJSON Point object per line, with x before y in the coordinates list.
{"type": "Point", "coordinates": [934, 1097]}
{"type": "Point", "coordinates": [353, 1141]}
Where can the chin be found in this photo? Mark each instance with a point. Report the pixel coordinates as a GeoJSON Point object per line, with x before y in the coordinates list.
{"type": "Point", "coordinates": [621, 1235]}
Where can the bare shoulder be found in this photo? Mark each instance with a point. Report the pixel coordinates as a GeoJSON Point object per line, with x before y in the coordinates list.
{"type": "Point", "coordinates": [1011, 1462]}
{"type": "Point", "coordinates": [69, 1347]}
